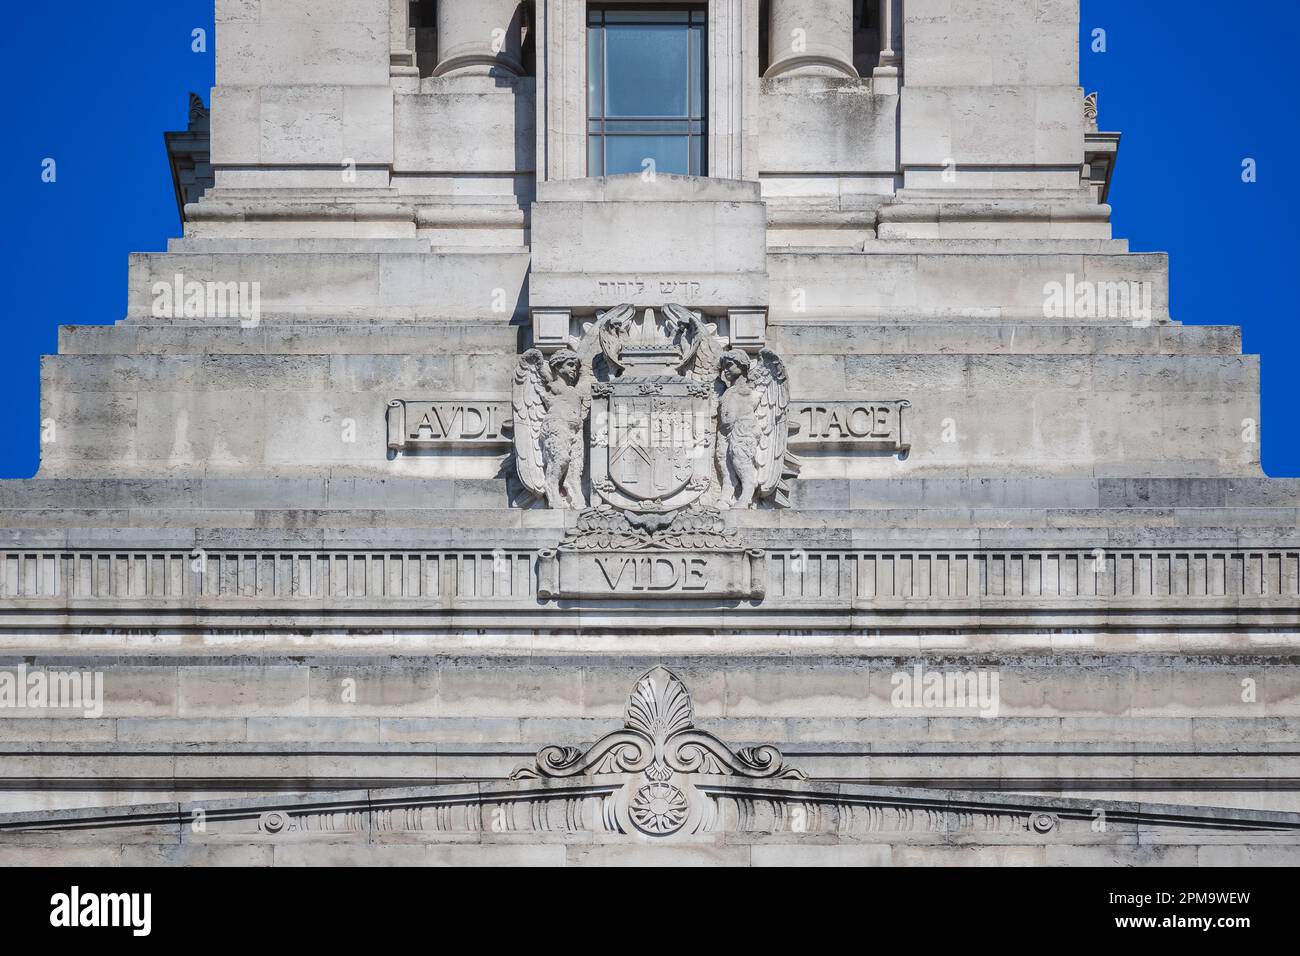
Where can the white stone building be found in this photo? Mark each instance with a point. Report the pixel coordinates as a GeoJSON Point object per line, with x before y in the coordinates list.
{"type": "Point", "coordinates": [717, 432]}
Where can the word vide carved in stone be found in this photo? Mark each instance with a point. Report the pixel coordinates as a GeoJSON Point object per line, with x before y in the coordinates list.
{"type": "Point", "coordinates": [659, 572]}
{"type": "Point", "coordinates": [693, 556]}
{"type": "Point", "coordinates": [723, 575]}
{"type": "Point", "coordinates": [866, 424]}
{"type": "Point", "coordinates": [432, 424]}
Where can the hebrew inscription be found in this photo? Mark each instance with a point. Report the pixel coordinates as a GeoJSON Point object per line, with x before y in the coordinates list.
{"type": "Point", "coordinates": [635, 288]}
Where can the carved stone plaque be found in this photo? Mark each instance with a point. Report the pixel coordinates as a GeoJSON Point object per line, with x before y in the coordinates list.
{"type": "Point", "coordinates": [688, 555]}
{"type": "Point", "coordinates": [651, 574]}
{"type": "Point", "coordinates": [453, 421]}
{"type": "Point", "coordinates": [868, 423]}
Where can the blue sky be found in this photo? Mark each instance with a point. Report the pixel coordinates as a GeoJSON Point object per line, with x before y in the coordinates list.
{"type": "Point", "coordinates": [93, 85]}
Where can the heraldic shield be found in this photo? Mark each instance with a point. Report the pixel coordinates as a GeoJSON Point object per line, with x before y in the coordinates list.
{"type": "Point", "coordinates": [669, 416]}
{"type": "Point", "coordinates": [651, 442]}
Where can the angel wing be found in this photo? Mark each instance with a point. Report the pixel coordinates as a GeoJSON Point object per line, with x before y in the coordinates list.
{"type": "Point", "coordinates": [610, 327]}
{"type": "Point", "coordinates": [532, 376]}
{"type": "Point", "coordinates": [701, 358]}
{"type": "Point", "coordinates": [776, 465]}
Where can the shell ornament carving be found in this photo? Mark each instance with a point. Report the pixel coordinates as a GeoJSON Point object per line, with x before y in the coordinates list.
{"type": "Point", "coordinates": [658, 750]}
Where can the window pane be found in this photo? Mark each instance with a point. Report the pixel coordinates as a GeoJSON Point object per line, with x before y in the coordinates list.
{"type": "Point", "coordinates": [595, 71]}
{"type": "Point", "coordinates": [647, 16]}
{"type": "Point", "coordinates": [627, 154]}
{"type": "Point", "coordinates": [647, 89]}
{"type": "Point", "coordinates": [648, 126]}
{"type": "Point", "coordinates": [697, 71]}
{"type": "Point", "coordinates": [647, 68]}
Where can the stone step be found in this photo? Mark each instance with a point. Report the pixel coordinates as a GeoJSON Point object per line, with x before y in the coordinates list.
{"type": "Point", "coordinates": [201, 245]}
{"type": "Point", "coordinates": [371, 286]}
{"type": "Point", "coordinates": [948, 246]}
{"type": "Point", "coordinates": [381, 529]}
{"type": "Point", "coordinates": [792, 338]}
{"type": "Point", "coordinates": [932, 286]}
{"type": "Point", "coordinates": [1148, 496]}
{"type": "Point", "coordinates": [305, 494]}
{"type": "Point", "coordinates": [426, 338]}
{"type": "Point", "coordinates": [333, 377]}
{"type": "Point", "coordinates": [398, 732]}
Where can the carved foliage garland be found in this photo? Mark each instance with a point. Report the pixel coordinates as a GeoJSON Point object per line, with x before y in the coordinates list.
{"type": "Point", "coordinates": [693, 529]}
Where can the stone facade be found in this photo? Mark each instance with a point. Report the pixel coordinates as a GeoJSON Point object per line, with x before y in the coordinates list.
{"type": "Point", "coordinates": [859, 501]}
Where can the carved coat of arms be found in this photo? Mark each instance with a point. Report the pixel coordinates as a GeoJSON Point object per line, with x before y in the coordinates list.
{"type": "Point", "coordinates": [669, 417]}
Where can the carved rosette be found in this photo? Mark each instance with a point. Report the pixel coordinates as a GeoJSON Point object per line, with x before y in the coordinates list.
{"type": "Point", "coordinates": [658, 750]}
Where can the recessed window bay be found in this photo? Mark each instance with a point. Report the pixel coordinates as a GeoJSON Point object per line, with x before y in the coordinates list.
{"type": "Point", "coordinates": [646, 90]}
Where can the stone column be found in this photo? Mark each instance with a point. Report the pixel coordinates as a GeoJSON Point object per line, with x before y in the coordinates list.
{"type": "Point", "coordinates": [479, 38]}
{"type": "Point", "coordinates": [811, 38]}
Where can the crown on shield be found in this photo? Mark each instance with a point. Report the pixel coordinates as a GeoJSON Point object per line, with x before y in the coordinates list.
{"type": "Point", "coordinates": [656, 342]}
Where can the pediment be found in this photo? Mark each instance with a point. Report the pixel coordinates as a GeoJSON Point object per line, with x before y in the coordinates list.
{"type": "Point", "coordinates": [658, 778]}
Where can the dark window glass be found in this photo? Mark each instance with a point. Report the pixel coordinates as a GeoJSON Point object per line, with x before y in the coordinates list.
{"type": "Point", "coordinates": [646, 90]}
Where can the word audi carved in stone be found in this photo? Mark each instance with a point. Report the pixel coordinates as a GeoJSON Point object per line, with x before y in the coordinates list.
{"type": "Point", "coordinates": [872, 424]}
{"type": "Point", "coordinates": [417, 424]}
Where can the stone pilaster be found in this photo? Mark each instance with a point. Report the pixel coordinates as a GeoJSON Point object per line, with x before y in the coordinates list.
{"type": "Point", "coordinates": [402, 55]}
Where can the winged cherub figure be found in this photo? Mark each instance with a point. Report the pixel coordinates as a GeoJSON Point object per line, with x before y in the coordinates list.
{"type": "Point", "coordinates": [552, 397]}
{"type": "Point", "coordinates": [752, 428]}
